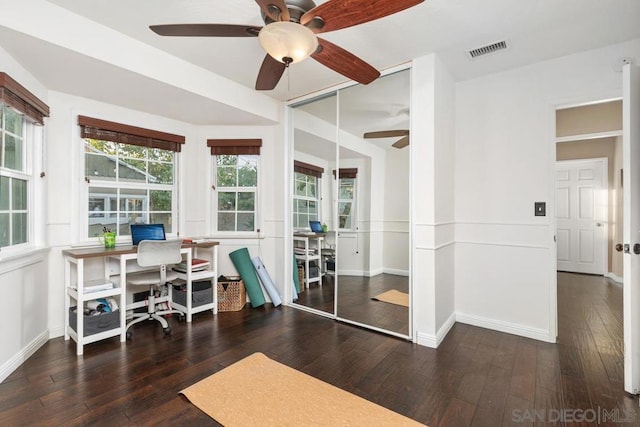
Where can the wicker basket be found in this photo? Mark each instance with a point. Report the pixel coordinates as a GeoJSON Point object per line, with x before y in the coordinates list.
{"type": "Point", "coordinates": [301, 277]}
{"type": "Point", "coordinates": [231, 294]}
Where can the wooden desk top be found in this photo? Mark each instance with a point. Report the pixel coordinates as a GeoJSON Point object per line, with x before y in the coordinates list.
{"type": "Point", "coordinates": [309, 235]}
{"type": "Point", "coordinates": [101, 251]}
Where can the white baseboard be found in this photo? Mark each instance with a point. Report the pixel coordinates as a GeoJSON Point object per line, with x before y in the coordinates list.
{"type": "Point", "coordinates": [395, 271]}
{"type": "Point", "coordinates": [433, 341]}
{"type": "Point", "coordinates": [426, 340]}
{"type": "Point", "coordinates": [351, 273]}
{"type": "Point", "coordinates": [14, 363]}
{"type": "Point", "coordinates": [445, 328]}
{"type": "Point", "coordinates": [510, 328]}
{"type": "Point", "coordinates": [614, 277]}
{"type": "Point", "coordinates": [56, 332]}
{"type": "Point", "coordinates": [373, 273]}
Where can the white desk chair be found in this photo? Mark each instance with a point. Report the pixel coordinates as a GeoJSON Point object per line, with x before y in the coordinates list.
{"type": "Point", "coordinates": [154, 253]}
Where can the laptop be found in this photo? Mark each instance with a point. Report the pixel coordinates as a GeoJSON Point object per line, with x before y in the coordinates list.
{"type": "Point", "coordinates": [147, 232]}
{"type": "Point", "coordinates": [315, 226]}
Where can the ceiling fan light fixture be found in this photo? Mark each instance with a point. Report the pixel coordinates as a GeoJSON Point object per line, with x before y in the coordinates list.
{"type": "Point", "coordinates": [288, 42]}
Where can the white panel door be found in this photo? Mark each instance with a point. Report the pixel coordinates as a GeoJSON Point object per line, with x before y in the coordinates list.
{"type": "Point", "coordinates": [631, 225]}
{"type": "Point", "coordinates": [581, 215]}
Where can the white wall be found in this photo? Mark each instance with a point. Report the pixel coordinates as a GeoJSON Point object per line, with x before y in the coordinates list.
{"type": "Point", "coordinates": [199, 198]}
{"type": "Point", "coordinates": [24, 283]}
{"type": "Point", "coordinates": [504, 162]}
{"type": "Point", "coordinates": [396, 212]}
{"type": "Point", "coordinates": [432, 177]}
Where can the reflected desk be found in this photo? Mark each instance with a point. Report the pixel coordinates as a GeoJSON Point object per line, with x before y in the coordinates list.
{"type": "Point", "coordinates": [307, 247]}
{"type": "Point", "coordinates": [122, 254]}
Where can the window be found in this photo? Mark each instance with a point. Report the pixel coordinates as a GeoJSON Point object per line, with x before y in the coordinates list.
{"type": "Point", "coordinates": [235, 182]}
{"type": "Point", "coordinates": [305, 200]}
{"type": "Point", "coordinates": [306, 193]}
{"type": "Point", "coordinates": [14, 179]}
{"type": "Point", "coordinates": [347, 198]}
{"type": "Point", "coordinates": [128, 183]}
{"type": "Point", "coordinates": [19, 112]}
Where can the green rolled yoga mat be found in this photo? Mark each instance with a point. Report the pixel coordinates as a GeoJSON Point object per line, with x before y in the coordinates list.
{"type": "Point", "coordinates": [296, 278]}
{"type": "Point", "coordinates": [242, 261]}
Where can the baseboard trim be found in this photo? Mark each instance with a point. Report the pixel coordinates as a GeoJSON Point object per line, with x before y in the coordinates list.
{"type": "Point", "coordinates": [18, 359]}
{"type": "Point", "coordinates": [56, 332]}
{"type": "Point", "coordinates": [426, 340]}
{"type": "Point", "coordinates": [614, 277]}
{"type": "Point", "coordinates": [396, 272]}
{"type": "Point", "coordinates": [445, 328]}
{"type": "Point", "coordinates": [510, 328]}
{"type": "Point", "coordinates": [433, 341]}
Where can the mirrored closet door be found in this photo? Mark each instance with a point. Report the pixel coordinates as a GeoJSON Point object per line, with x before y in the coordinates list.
{"type": "Point", "coordinates": [314, 157]}
{"type": "Point", "coordinates": [356, 141]}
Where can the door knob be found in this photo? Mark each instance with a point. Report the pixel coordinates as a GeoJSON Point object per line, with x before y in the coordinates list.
{"type": "Point", "coordinates": [619, 247]}
{"type": "Point", "coordinates": [636, 249]}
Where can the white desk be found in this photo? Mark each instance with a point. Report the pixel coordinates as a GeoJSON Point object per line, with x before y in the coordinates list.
{"type": "Point", "coordinates": [123, 254]}
{"type": "Point", "coordinates": [312, 245]}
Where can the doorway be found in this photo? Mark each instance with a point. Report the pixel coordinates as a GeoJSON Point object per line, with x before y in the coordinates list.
{"type": "Point", "coordinates": [585, 216]}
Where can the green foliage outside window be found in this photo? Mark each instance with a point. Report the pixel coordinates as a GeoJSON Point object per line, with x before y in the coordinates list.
{"type": "Point", "coordinates": [236, 183]}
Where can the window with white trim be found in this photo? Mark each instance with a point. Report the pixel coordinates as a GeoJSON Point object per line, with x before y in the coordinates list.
{"type": "Point", "coordinates": [236, 165]}
{"type": "Point", "coordinates": [306, 194]}
{"type": "Point", "coordinates": [128, 183]}
{"type": "Point", "coordinates": [20, 111]}
{"type": "Point", "coordinates": [15, 179]}
{"type": "Point", "coordinates": [347, 198]}
{"type": "Point", "coordinates": [236, 183]}
{"type": "Point", "coordinates": [306, 200]}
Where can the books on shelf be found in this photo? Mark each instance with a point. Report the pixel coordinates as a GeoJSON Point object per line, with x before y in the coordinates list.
{"type": "Point", "coordinates": [96, 285]}
{"type": "Point", "coordinates": [197, 264]}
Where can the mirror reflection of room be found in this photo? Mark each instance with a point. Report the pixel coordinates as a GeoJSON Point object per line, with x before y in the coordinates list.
{"type": "Point", "coordinates": [351, 174]}
{"type": "Point", "coordinates": [373, 204]}
{"type": "Point", "coordinates": [312, 205]}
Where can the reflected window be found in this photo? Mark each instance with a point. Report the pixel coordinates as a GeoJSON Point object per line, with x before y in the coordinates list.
{"type": "Point", "coordinates": [347, 187]}
{"type": "Point", "coordinates": [128, 184]}
{"type": "Point", "coordinates": [306, 199]}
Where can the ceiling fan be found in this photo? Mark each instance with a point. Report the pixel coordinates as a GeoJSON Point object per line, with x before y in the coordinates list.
{"type": "Point", "coordinates": [289, 34]}
{"type": "Point", "coordinates": [401, 143]}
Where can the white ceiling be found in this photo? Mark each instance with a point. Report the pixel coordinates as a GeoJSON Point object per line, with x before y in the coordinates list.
{"type": "Point", "coordinates": [535, 30]}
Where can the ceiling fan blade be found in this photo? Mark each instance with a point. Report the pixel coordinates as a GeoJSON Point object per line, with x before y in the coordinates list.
{"type": "Point", "coordinates": [337, 14]}
{"type": "Point", "coordinates": [401, 143]}
{"type": "Point", "coordinates": [274, 9]}
{"type": "Point", "coordinates": [343, 62]}
{"type": "Point", "coordinates": [206, 30]}
{"type": "Point", "coordinates": [270, 73]}
{"type": "Point", "coordinates": [386, 133]}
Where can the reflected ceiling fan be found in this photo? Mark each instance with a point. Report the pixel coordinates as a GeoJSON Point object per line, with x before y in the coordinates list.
{"type": "Point", "coordinates": [289, 34]}
{"type": "Point", "coordinates": [401, 143]}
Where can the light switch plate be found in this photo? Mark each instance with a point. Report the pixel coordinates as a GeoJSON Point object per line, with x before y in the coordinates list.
{"type": "Point", "coordinates": [540, 208]}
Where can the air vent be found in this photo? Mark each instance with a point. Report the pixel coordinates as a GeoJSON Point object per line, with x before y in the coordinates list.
{"type": "Point", "coordinates": [485, 50]}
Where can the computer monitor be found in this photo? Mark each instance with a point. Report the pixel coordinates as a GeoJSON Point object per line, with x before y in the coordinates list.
{"type": "Point", "coordinates": [147, 232]}
{"type": "Point", "coordinates": [315, 226]}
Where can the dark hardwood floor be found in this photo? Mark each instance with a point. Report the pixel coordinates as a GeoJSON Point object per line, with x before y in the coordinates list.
{"type": "Point", "coordinates": [355, 303]}
{"type": "Point", "coordinates": [477, 376]}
